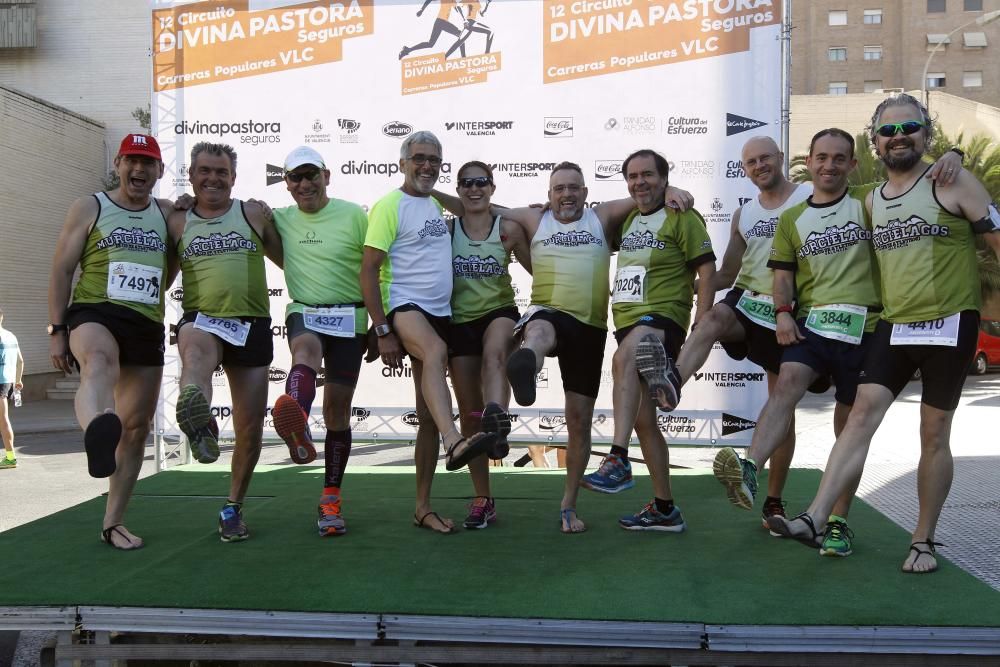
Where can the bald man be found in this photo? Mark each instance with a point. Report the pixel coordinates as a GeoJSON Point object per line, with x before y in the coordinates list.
{"type": "Point", "coordinates": [744, 321]}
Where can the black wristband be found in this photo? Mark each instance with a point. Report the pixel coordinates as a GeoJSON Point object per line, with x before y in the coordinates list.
{"type": "Point", "coordinates": [958, 151]}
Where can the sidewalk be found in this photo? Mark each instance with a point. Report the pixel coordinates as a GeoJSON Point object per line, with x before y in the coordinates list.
{"type": "Point", "coordinates": [43, 417]}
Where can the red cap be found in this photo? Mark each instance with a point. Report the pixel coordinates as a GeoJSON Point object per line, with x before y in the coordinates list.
{"type": "Point", "coordinates": [140, 144]}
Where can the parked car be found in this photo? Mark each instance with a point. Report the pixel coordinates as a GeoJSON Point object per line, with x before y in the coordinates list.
{"type": "Point", "coordinates": [987, 348]}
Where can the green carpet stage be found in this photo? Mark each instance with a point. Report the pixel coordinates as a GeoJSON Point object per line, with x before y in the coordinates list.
{"type": "Point", "coordinates": [393, 590]}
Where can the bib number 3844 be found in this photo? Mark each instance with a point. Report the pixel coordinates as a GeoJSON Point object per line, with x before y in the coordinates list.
{"type": "Point", "coordinates": [232, 331]}
{"type": "Point", "coordinates": [839, 321]}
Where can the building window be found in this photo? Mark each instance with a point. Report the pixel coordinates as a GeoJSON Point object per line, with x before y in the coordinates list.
{"type": "Point", "coordinates": [933, 39]}
{"type": "Point", "coordinates": [974, 40]}
{"type": "Point", "coordinates": [934, 6]}
{"type": "Point", "coordinates": [838, 87]}
{"type": "Point", "coordinates": [873, 53]}
{"type": "Point", "coordinates": [873, 16]}
{"type": "Point", "coordinates": [972, 79]}
{"type": "Point", "coordinates": [838, 17]}
{"type": "Point", "coordinates": [837, 53]}
{"type": "Point", "coordinates": [973, 5]}
{"type": "Point", "coordinates": [935, 80]}
{"type": "Point", "coordinates": [873, 86]}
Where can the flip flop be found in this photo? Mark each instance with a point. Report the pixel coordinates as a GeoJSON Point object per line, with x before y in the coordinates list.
{"type": "Point", "coordinates": [478, 444]}
{"type": "Point", "coordinates": [521, 374]}
{"type": "Point", "coordinates": [117, 530]}
{"type": "Point", "coordinates": [782, 526]}
{"type": "Point", "coordinates": [930, 551]}
{"type": "Point", "coordinates": [419, 523]}
{"type": "Point", "coordinates": [101, 440]}
{"type": "Point", "coordinates": [565, 520]}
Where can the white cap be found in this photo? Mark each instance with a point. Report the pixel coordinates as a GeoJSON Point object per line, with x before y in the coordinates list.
{"type": "Point", "coordinates": [303, 155]}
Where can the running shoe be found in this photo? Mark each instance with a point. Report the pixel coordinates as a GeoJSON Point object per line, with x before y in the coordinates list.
{"type": "Point", "coordinates": [738, 475]}
{"type": "Point", "coordinates": [231, 526]}
{"type": "Point", "coordinates": [496, 420]}
{"type": "Point", "coordinates": [649, 518]}
{"type": "Point", "coordinates": [6, 463]}
{"type": "Point", "coordinates": [837, 538]}
{"type": "Point", "coordinates": [613, 475]}
{"type": "Point", "coordinates": [482, 512]}
{"type": "Point", "coordinates": [292, 426]}
{"type": "Point", "coordinates": [521, 375]}
{"type": "Point", "coordinates": [330, 522]}
{"type": "Point", "coordinates": [194, 418]}
{"type": "Point", "coordinates": [772, 507]}
{"type": "Point", "coordinates": [658, 372]}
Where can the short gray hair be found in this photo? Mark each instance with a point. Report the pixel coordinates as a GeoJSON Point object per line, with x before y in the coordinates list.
{"type": "Point", "coordinates": [421, 137]}
{"type": "Point", "coordinates": [902, 100]}
{"type": "Point", "coordinates": [213, 149]}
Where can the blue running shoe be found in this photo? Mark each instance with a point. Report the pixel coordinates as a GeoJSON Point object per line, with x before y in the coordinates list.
{"type": "Point", "coordinates": [231, 526]}
{"type": "Point", "coordinates": [613, 475]}
{"type": "Point", "coordinates": [649, 518]}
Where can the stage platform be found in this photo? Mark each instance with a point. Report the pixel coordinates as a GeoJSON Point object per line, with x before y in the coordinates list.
{"type": "Point", "coordinates": [520, 592]}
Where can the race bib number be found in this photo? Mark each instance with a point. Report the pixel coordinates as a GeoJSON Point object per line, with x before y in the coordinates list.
{"type": "Point", "coordinates": [232, 331]}
{"type": "Point", "coordinates": [942, 331]}
{"type": "Point", "coordinates": [838, 321]}
{"type": "Point", "coordinates": [759, 308]}
{"type": "Point", "coordinates": [629, 282]}
{"type": "Point", "coordinates": [139, 283]}
{"type": "Point", "coordinates": [330, 321]}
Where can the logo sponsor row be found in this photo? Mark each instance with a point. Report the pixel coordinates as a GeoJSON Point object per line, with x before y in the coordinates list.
{"type": "Point", "coordinates": [349, 130]}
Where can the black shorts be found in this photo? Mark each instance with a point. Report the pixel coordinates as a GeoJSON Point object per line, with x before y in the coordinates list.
{"type": "Point", "coordinates": [258, 349]}
{"type": "Point", "coordinates": [140, 340]}
{"type": "Point", "coordinates": [673, 334]}
{"type": "Point", "coordinates": [759, 344]}
{"type": "Point", "coordinates": [579, 349]}
{"type": "Point", "coordinates": [831, 358]}
{"type": "Point", "coordinates": [440, 323]}
{"type": "Point", "coordinates": [7, 391]}
{"type": "Point", "coordinates": [466, 339]}
{"type": "Point", "coordinates": [942, 369]}
{"type": "Point", "coordinates": [341, 355]}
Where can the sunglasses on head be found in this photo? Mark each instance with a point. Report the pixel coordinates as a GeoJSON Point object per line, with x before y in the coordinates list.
{"type": "Point", "coordinates": [906, 127]}
{"type": "Point", "coordinates": [296, 177]}
{"type": "Point", "coordinates": [478, 181]}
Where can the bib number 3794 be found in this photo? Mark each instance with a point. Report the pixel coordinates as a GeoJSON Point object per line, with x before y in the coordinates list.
{"type": "Point", "coordinates": [759, 308]}
{"type": "Point", "coordinates": [232, 331]}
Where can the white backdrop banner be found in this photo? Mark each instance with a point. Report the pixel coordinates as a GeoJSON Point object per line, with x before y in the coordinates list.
{"type": "Point", "coordinates": [520, 84]}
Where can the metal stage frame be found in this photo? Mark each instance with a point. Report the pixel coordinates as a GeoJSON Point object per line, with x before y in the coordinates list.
{"type": "Point", "coordinates": [107, 634]}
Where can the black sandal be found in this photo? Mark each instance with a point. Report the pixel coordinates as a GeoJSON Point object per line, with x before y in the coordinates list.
{"type": "Point", "coordinates": [116, 530]}
{"type": "Point", "coordinates": [100, 440]}
{"type": "Point", "coordinates": [478, 444]}
{"type": "Point", "coordinates": [781, 525]}
{"type": "Point", "coordinates": [419, 523]}
{"type": "Point", "coordinates": [930, 551]}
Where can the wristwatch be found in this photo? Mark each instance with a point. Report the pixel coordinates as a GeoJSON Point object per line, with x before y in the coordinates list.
{"type": "Point", "coordinates": [53, 329]}
{"type": "Point", "coordinates": [383, 330]}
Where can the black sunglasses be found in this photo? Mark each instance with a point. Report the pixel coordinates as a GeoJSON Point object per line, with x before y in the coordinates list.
{"type": "Point", "coordinates": [296, 177]}
{"type": "Point", "coordinates": [478, 181]}
{"type": "Point", "coordinates": [420, 160]}
{"type": "Point", "coordinates": [906, 127]}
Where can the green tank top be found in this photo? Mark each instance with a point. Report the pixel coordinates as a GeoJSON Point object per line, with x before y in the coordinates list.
{"type": "Point", "coordinates": [323, 253]}
{"type": "Point", "coordinates": [570, 263]}
{"type": "Point", "coordinates": [926, 254]}
{"type": "Point", "coordinates": [829, 248]}
{"type": "Point", "coordinates": [757, 225]}
{"type": "Point", "coordinates": [481, 280]}
{"type": "Point", "coordinates": [222, 265]}
{"type": "Point", "coordinates": [124, 259]}
{"type": "Point", "coordinates": [659, 253]}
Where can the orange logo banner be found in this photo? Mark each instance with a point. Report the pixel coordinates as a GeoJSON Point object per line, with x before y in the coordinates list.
{"type": "Point", "coordinates": [213, 41]}
{"type": "Point", "coordinates": [592, 37]}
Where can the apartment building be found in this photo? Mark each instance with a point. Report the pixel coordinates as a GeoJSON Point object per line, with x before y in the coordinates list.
{"type": "Point", "coordinates": [859, 46]}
